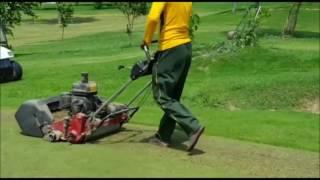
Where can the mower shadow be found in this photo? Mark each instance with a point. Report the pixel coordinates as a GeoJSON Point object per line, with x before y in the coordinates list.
{"type": "Point", "coordinates": [140, 136]}
{"type": "Point", "coordinates": [110, 138]}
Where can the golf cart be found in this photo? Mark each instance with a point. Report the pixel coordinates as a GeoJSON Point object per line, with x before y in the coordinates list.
{"type": "Point", "coordinates": [10, 70]}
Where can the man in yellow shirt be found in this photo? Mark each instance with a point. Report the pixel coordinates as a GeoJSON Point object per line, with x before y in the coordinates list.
{"type": "Point", "coordinates": [171, 69]}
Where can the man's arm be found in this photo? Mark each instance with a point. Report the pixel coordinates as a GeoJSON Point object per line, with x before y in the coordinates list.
{"type": "Point", "coordinates": [152, 21]}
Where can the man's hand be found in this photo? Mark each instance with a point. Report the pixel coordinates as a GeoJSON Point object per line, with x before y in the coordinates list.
{"type": "Point", "coordinates": [143, 44]}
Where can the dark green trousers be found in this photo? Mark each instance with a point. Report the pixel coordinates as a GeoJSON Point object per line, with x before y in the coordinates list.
{"type": "Point", "coordinates": [169, 74]}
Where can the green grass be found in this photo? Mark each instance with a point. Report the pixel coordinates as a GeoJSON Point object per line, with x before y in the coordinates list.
{"type": "Point", "coordinates": [257, 95]}
{"type": "Point", "coordinates": [267, 79]}
{"type": "Point", "coordinates": [280, 128]}
{"type": "Point", "coordinates": [124, 155]}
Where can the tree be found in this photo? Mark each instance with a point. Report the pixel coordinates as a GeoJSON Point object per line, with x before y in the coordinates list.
{"type": "Point", "coordinates": [193, 24]}
{"type": "Point", "coordinates": [244, 35]}
{"type": "Point", "coordinates": [234, 7]}
{"type": "Point", "coordinates": [98, 5]}
{"type": "Point", "coordinates": [11, 13]}
{"type": "Point", "coordinates": [292, 19]}
{"type": "Point", "coordinates": [132, 10]}
{"type": "Point", "coordinates": [65, 12]}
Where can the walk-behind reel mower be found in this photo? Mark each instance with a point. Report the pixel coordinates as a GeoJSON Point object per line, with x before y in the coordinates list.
{"type": "Point", "coordinates": [88, 116]}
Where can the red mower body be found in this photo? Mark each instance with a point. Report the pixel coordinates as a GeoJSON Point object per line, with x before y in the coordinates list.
{"type": "Point", "coordinates": [78, 129]}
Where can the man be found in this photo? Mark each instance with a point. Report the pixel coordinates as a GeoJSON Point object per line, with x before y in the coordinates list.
{"type": "Point", "coordinates": [171, 68]}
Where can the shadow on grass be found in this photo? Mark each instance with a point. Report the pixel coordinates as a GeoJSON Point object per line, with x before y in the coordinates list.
{"type": "Point", "coordinates": [230, 11]}
{"type": "Point", "coordinates": [179, 138]}
{"type": "Point", "coordinates": [23, 54]}
{"type": "Point", "coordinates": [74, 20]}
{"type": "Point", "coordinates": [129, 137]}
{"type": "Point", "coordinates": [277, 32]}
{"type": "Point", "coordinates": [18, 55]}
{"type": "Point", "coordinates": [138, 136]}
{"type": "Point", "coordinates": [104, 7]}
{"type": "Point", "coordinates": [297, 34]}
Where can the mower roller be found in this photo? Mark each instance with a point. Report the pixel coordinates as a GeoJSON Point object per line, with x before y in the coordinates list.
{"type": "Point", "coordinates": [89, 117]}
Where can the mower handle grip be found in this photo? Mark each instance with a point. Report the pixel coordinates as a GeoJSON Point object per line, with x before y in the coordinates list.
{"type": "Point", "coordinates": [147, 52]}
{"type": "Point", "coordinates": [146, 49]}
{"type": "Point", "coordinates": [154, 41]}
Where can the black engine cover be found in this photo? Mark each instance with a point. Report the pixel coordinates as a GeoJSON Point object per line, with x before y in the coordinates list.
{"type": "Point", "coordinates": [84, 104]}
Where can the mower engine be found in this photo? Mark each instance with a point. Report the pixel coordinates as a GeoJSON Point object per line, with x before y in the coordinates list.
{"type": "Point", "coordinates": [35, 117]}
{"type": "Point", "coordinates": [83, 97]}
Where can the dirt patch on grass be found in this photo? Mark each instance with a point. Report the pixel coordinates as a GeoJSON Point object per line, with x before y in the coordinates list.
{"type": "Point", "coordinates": [232, 107]}
{"type": "Point", "coordinates": [312, 106]}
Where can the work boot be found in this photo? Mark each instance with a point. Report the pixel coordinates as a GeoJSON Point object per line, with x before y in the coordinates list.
{"type": "Point", "coordinates": [194, 138]}
{"type": "Point", "coordinates": [157, 141]}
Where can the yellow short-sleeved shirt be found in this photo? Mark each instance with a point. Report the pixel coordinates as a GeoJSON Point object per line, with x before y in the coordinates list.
{"type": "Point", "coordinates": [175, 28]}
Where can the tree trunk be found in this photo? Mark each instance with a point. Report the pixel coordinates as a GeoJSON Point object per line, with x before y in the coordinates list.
{"type": "Point", "coordinates": [62, 33]}
{"type": "Point", "coordinates": [59, 18]}
{"type": "Point", "coordinates": [132, 22]}
{"type": "Point", "coordinates": [292, 19]}
{"type": "Point", "coordinates": [128, 25]}
{"type": "Point", "coordinates": [234, 8]}
{"type": "Point", "coordinates": [59, 15]}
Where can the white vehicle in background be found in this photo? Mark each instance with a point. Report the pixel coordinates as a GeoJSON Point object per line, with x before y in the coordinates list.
{"type": "Point", "coordinates": [10, 70]}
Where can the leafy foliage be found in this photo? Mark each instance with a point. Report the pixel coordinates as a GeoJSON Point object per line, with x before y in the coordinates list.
{"type": "Point", "coordinates": [98, 5]}
{"type": "Point", "coordinates": [194, 24]}
{"type": "Point", "coordinates": [65, 12]}
{"type": "Point", "coordinates": [132, 10]}
{"type": "Point", "coordinates": [11, 13]}
{"type": "Point", "coordinates": [244, 35]}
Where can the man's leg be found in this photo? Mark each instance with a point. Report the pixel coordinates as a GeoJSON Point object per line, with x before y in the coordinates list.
{"type": "Point", "coordinates": [166, 128]}
{"type": "Point", "coordinates": [168, 124]}
{"type": "Point", "coordinates": [183, 77]}
{"type": "Point", "coordinates": [166, 75]}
